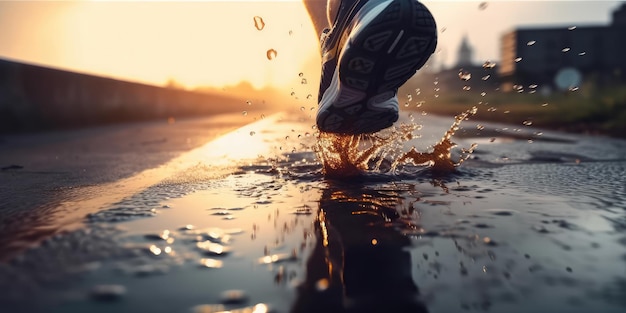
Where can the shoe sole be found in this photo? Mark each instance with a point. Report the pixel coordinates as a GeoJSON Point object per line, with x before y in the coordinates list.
{"type": "Point", "coordinates": [391, 42]}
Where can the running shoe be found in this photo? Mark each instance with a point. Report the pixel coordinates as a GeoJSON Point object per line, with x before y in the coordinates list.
{"type": "Point", "coordinates": [373, 48]}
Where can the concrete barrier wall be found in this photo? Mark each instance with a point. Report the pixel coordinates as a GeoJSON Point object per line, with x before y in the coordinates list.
{"type": "Point", "coordinates": [38, 98]}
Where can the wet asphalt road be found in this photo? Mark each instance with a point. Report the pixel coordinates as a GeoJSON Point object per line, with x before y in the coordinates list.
{"type": "Point", "coordinates": [530, 223]}
{"type": "Point", "coordinates": [43, 171]}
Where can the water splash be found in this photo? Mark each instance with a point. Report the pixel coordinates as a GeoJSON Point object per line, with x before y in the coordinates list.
{"type": "Point", "coordinates": [345, 156]}
{"type": "Point", "coordinates": [349, 155]}
{"type": "Point", "coordinates": [440, 158]}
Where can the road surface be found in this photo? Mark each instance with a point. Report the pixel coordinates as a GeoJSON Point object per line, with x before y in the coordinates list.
{"type": "Point", "coordinates": [234, 213]}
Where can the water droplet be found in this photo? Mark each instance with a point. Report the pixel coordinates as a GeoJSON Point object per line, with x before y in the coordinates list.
{"type": "Point", "coordinates": [252, 133]}
{"type": "Point", "coordinates": [220, 212]}
{"type": "Point", "coordinates": [409, 97]}
{"type": "Point", "coordinates": [582, 53]}
{"type": "Point", "coordinates": [293, 93]}
{"type": "Point", "coordinates": [482, 5]}
{"type": "Point", "coordinates": [518, 59]}
{"type": "Point", "coordinates": [309, 96]}
{"type": "Point", "coordinates": [187, 227]}
{"type": "Point", "coordinates": [290, 32]}
{"type": "Point", "coordinates": [164, 235]}
{"type": "Point", "coordinates": [482, 94]}
{"type": "Point", "coordinates": [506, 112]}
{"type": "Point", "coordinates": [155, 250]}
{"type": "Point", "coordinates": [418, 91]}
{"type": "Point", "coordinates": [527, 123]}
{"type": "Point", "coordinates": [466, 87]}
{"type": "Point", "coordinates": [571, 28]}
{"type": "Point", "coordinates": [302, 108]}
{"type": "Point", "coordinates": [436, 82]}
{"type": "Point", "coordinates": [486, 77]}
{"type": "Point", "coordinates": [573, 88]}
{"type": "Point", "coordinates": [271, 54]}
{"type": "Point", "coordinates": [489, 64]}
{"type": "Point", "coordinates": [211, 263]}
{"type": "Point", "coordinates": [530, 43]}
{"type": "Point", "coordinates": [544, 105]}
{"type": "Point", "coordinates": [492, 139]}
{"type": "Point", "coordinates": [480, 127]}
{"type": "Point", "coordinates": [212, 248]}
{"type": "Point", "coordinates": [533, 86]}
{"type": "Point", "coordinates": [501, 212]}
{"type": "Point", "coordinates": [258, 23]}
{"type": "Point", "coordinates": [443, 29]}
{"type": "Point", "coordinates": [244, 113]}
{"type": "Point", "coordinates": [465, 76]}
{"type": "Point", "coordinates": [301, 74]}
{"type": "Point", "coordinates": [565, 49]}
{"type": "Point", "coordinates": [303, 81]}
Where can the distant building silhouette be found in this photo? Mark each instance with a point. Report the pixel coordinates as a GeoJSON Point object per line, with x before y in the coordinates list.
{"type": "Point", "coordinates": [465, 54]}
{"type": "Point", "coordinates": [464, 77]}
{"type": "Point", "coordinates": [564, 57]}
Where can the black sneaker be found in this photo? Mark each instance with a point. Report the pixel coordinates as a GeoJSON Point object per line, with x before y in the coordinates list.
{"type": "Point", "coordinates": [373, 48]}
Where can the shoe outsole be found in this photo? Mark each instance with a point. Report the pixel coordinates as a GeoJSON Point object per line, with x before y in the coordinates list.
{"type": "Point", "coordinates": [374, 63]}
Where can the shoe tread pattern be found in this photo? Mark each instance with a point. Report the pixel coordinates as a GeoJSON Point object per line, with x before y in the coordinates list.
{"type": "Point", "coordinates": [388, 71]}
{"type": "Point", "coordinates": [378, 63]}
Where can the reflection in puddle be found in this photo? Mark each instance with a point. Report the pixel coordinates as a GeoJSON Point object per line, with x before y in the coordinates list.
{"type": "Point", "coordinates": [359, 262]}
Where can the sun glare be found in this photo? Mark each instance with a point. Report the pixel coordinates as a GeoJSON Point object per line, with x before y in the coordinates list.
{"type": "Point", "coordinates": [212, 43]}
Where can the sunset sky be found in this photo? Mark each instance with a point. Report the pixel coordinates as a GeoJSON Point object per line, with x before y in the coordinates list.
{"type": "Point", "coordinates": [215, 43]}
